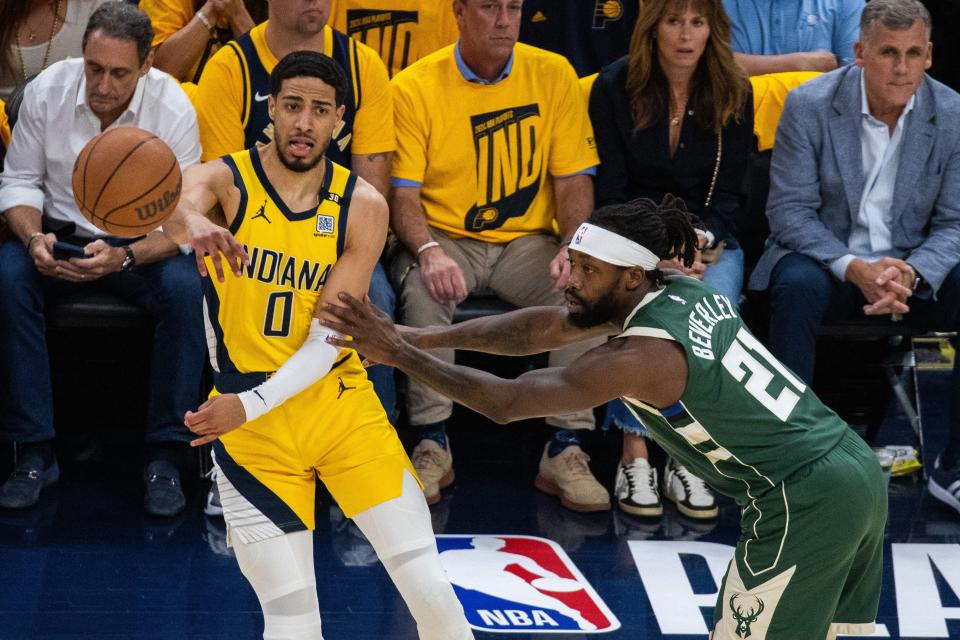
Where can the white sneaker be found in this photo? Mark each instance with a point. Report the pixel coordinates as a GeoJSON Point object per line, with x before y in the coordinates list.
{"type": "Point", "coordinates": [636, 488]}
{"type": "Point", "coordinates": [691, 494]}
{"type": "Point", "coordinates": [212, 507]}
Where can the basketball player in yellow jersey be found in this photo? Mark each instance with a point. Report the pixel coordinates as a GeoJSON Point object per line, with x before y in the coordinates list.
{"type": "Point", "coordinates": [288, 407]}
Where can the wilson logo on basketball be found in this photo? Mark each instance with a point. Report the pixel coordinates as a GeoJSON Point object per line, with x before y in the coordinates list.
{"type": "Point", "coordinates": [159, 205]}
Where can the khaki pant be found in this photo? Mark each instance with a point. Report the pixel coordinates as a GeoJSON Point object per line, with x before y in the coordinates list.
{"type": "Point", "coordinates": [518, 272]}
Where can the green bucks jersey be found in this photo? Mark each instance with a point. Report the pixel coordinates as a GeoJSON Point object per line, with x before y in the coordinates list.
{"type": "Point", "coordinates": [745, 422]}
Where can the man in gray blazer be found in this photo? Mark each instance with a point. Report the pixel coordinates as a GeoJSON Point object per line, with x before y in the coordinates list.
{"type": "Point", "coordinates": [864, 204]}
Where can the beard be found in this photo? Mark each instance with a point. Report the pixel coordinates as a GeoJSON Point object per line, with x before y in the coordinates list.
{"type": "Point", "coordinates": [298, 165]}
{"type": "Point", "coordinates": [592, 314]}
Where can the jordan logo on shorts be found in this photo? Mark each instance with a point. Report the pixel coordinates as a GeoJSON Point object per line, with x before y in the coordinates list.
{"type": "Point", "coordinates": [745, 609]}
{"type": "Point", "coordinates": [343, 388]}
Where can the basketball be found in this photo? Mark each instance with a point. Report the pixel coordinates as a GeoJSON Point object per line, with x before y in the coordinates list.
{"type": "Point", "coordinates": [126, 181]}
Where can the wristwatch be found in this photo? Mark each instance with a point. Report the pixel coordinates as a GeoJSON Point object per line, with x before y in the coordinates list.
{"type": "Point", "coordinates": [129, 261]}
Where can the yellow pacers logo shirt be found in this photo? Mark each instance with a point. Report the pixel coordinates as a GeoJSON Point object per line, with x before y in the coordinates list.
{"type": "Point", "coordinates": [485, 154]}
{"type": "Point", "coordinates": [255, 322]}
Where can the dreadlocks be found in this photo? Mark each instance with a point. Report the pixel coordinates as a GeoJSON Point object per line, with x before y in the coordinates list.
{"type": "Point", "coordinates": [666, 229]}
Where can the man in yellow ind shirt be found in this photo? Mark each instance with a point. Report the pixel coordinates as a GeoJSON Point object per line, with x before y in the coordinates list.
{"type": "Point", "coordinates": [401, 31]}
{"type": "Point", "coordinates": [487, 191]}
{"type": "Point", "coordinates": [231, 102]}
{"type": "Point", "coordinates": [288, 407]}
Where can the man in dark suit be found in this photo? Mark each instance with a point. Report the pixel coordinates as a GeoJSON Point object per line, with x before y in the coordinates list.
{"type": "Point", "coordinates": [864, 204]}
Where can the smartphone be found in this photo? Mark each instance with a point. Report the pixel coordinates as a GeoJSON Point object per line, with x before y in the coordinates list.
{"type": "Point", "coordinates": [65, 251]}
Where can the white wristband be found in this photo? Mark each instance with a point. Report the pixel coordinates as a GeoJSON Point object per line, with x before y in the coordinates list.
{"type": "Point", "coordinates": [312, 361]}
{"type": "Point", "coordinates": [427, 245]}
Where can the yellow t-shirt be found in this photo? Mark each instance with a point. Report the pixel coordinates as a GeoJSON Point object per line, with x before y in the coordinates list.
{"type": "Point", "coordinates": [586, 86]}
{"type": "Point", "coordinates": [401, 31]}
{"type": "Point", "coordinates": [168, 17]}
{"type": "Point", "coordinates": [228, 92]}
{"type": "Point", "coordinates": [485, 159]}
{"type": "Point", "coordinates": [769, 95]}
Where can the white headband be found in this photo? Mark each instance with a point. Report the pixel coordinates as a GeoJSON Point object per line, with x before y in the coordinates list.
{"type": "Point", "coordinates": [612, 247]}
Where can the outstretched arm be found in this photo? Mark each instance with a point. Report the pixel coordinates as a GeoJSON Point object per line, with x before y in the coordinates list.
{"type": "Point", "coordinates": [517, 333]}
{"type": "Point", "coordinates": [630, 366]}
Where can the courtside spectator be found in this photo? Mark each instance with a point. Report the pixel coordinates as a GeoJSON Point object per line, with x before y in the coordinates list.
{"type": "Point", "coordinates": [772, 36]}
{"type": "Point", "coordinates": [187, 32]}
{"type": "Point", "coordinates": [864, 204]}
{"type": "Point", "coordinates": [675, 116]}
{"type": "Point", "coordinates": [589, 35]}
{"type": "Point", "coordinates": [478, 187]}
{"type": "Point", "coordinates": [36, 33]}
{"type": "Point", "coordinates": [401, 31]}
{"type": "Point", "coordinates": [113, 85]}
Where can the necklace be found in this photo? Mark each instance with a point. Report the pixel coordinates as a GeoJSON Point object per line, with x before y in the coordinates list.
{"type": "Point", "coordinates": [676, 116]}
{"type": "Point", "coordinates": [31, 37]}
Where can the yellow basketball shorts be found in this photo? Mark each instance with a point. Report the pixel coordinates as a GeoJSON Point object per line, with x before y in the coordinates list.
{"type": "Point", "coordinates": [335, 430]}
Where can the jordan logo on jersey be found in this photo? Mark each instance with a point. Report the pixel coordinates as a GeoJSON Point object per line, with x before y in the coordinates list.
{"type": "Point", "coordinates": [343, 388]}
{"type": "Point", "coordinates": [605, 11]}
{"type": "Point", "coordinates": [262, 212]}
{"type": "Point", "coordinates": [384, 32]}
{"type": "Point", "coordinates": [509, 163]}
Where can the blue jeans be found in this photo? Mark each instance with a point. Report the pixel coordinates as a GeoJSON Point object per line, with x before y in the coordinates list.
{"type": "Point", "coordinates": [726, 276]}
{"type": "Point", "coordinates": [384, 298]}
{"type": "Point", "coordinates": [168, 290]}
{"type": "Point", "coordinates": [804, 295]}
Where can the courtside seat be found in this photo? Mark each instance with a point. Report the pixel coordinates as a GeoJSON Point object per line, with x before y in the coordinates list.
{"type": "Point", "coordinates": [479, 305]}
{"type": "Point", "coordinates": [894, 358]}
{"type": "Point", "coordinates": [95, 310]}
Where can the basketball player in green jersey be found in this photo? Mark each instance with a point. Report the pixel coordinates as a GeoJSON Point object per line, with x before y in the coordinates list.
{"type": "Point", "coordinates": [808, 563]}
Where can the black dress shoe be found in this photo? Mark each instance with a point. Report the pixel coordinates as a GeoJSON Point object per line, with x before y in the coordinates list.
{"type": "Point", "coordinates": [164, 497]}
{"type": "Point", "coordinates": [22, 489]}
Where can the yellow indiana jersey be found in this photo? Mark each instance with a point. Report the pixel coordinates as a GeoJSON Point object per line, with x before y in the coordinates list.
{"type": "Point", "coordinates": [231, 97]}
{"type": "Point", "coordinates": [256, 321]}
{"type": "Point", "coordinates": [485, 161]}
{"type": "Point", "coordinates": [401, 31]}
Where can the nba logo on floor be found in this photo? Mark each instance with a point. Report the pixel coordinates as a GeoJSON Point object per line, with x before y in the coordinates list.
{"type": "Point", "coordinates": [512, 584]}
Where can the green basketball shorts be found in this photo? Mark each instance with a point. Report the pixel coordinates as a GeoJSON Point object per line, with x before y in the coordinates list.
{"type": "Point", "coordinates": [809, 561]}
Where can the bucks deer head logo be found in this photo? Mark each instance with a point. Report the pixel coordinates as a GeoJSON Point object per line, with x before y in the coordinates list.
{"type": "Point", "coordinates": [744, 619]}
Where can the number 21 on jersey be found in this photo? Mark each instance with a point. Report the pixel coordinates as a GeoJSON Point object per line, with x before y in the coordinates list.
{"type": "Point", "coordinates": [747, 358]}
